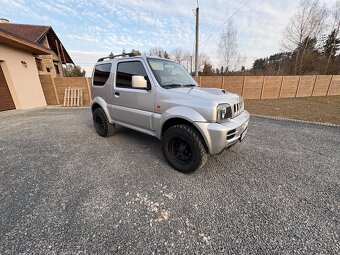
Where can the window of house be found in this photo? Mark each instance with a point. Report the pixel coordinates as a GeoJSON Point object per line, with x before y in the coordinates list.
{"type": "Point", "coordinates": [48, 69]}
{"type": "Point", "coordinates": [125, 71]}
{"type": "Point", "coordinates": [39, 64]}
{"type": "Point", "coordinates": [56, 67]}
{"type": "Point", "coordinates": [101, 74]}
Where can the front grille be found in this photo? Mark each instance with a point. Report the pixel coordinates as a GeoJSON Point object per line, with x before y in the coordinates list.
{"type": "Point", "coordinates": [237, 109]}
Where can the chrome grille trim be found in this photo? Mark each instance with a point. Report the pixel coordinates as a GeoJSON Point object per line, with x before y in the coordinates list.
{"type": "Point", "coordinates": [237, 108]}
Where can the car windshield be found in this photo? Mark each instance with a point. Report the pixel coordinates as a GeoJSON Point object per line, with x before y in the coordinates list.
{"type": "Point", "coordinates": [170, 74]}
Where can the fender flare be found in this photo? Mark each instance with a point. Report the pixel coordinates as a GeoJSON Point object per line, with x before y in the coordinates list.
{"type": "Point", "coordinates": [185, 113]}
{"type": "Point", "coordinates": [182, 112]}
{"type": "Point", "coordinates": [101, 102]}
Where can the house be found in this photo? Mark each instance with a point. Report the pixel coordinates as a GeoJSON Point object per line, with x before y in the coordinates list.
{"type": "Point", "coordinates": [25, 52]}
{"type": "Point", "coordinates": [46, 37]}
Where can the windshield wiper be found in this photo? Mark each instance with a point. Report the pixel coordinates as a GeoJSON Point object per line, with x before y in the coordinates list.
{"type": "Point", "coordinates": [190, 85]}
{"type": "Point", "coordinates": [174, 85]}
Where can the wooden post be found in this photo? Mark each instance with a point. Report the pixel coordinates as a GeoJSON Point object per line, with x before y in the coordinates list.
{"type": "Point", "coordinates": [223, 83]}
{"type": "Point", "coordinates": [244, 83]}
{"type": "Point", "coordinates": [55, 89]}
{"type": "Point", "coordinates": [281, 87]}
{"type": "Point", "coordinates": [298, 85]}
{"type": "Point", "coordinates": [263, 82]}
{"type": "Point", "coordinates": [66, 97]}
{"type": "Point", "coordinates": [62, 51]}
{"type": "Point", "coordinates": [329, 85]}
{"type": "Point", "coordinates": [316, 78]}
{"type": "Point", "coordinates": [56, 42]}
{"type": "Point", "coordinates": [88, 88]}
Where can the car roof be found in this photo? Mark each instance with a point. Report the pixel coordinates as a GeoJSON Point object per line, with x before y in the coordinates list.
{"type": "Point", "coordinates": [114, 59]}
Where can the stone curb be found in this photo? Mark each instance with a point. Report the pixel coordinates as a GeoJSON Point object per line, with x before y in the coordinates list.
{"type": "Point", "coordinates": [294, 120]}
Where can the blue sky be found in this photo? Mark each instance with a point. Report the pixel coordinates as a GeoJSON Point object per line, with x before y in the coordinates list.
{"type": "Point", "coordinates": [92, 29]}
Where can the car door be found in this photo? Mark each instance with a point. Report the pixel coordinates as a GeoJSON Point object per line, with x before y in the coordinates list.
{"type": "Point", "coordinates": [130, 105]}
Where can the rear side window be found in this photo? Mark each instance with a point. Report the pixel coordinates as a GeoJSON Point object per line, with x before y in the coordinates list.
{"type": "Point", "coordinates": [126, 70]}
{"type": "Point", "coordinates": [101, 74]}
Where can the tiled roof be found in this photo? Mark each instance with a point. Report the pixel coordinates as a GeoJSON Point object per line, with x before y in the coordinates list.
{"type": "Point", "coordinates": [29, 32]}
{"type": "Point", "coordinates": [33, 33]}
{"type": "Point", "coordinates": [23, 44]}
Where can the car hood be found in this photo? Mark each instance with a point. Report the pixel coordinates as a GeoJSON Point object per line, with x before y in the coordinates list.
{"type": "Point", "coordinates": [202, 100]}
{"type": "Point", "coordinates": [212, 95]}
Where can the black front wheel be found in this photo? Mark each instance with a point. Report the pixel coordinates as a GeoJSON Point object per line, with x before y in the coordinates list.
{"type": "Point", "coordinates": [184, 148]}
{"type": "Point", "coordinates": [101, 123]}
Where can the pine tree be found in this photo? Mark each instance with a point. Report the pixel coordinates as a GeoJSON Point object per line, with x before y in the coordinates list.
{"type": "Point", "coordinates": [207, 69]}
{"type": "Point", "coordinates": [331, 45]}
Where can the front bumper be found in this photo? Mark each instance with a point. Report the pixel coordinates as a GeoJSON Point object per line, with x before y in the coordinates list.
{"type": "Point", "coordinates": [219, 136]}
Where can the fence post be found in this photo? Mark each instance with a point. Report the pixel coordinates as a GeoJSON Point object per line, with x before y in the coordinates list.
{"type": "Point", "coordinates": [55, 89]}
{"type": "Point", "coordinates": [316, 78]}
{"type": "Point", "coordinates": [263, 82]}
{"type": "Point", "coordinates": [244, 82]}
{"type": "Point", "coordinates": [298, 85]}
{"type": "Point", "coordinates": [88, 87]}
{"type": "Point", "coordinates": [329, 85]}
{"type": "Point", "coordinates": [223, 82]}
{"type": "Point", "coordinates": [200, 82]}
{"type": "Point", "coordinates": [281, 87]}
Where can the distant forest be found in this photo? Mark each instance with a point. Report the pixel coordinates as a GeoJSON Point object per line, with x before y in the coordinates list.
{"type": "Point", "coordinates": [310, 57]}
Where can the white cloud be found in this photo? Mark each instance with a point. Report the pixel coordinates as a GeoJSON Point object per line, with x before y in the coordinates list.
{"type": "Point", "coordinates": [87, 38]}
{"type": "Point", "coordinates": [106, 25]}
{"type": "Point", "coordinates": [17, 5]}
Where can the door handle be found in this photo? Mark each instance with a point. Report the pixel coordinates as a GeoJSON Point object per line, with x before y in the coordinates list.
{"type": "Point", "coordinates": [116, 94]}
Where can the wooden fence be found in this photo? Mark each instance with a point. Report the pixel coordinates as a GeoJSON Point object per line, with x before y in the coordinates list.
{"type": "Point", "coordinates": [54, 88]}
{"type": "Point", "coordinates": [250, 87]}
{"type": "Point", "coordinates": [265, 87]}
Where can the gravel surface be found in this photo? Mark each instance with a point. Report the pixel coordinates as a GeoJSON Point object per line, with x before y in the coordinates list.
{"type": "Point", "coordinates": [64, 189]}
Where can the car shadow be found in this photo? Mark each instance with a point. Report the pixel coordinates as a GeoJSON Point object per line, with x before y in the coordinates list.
{"type": "Point", "coordinates": [134, 139]}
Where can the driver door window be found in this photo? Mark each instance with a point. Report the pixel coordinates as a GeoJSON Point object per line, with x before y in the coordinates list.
{"type": "Point", "coordinates": [126, 70]}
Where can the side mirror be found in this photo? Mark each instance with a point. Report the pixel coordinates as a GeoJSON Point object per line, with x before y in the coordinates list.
{"type": "Point", "coordinates": [139, 82]}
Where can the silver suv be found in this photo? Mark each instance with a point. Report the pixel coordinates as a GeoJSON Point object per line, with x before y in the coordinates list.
{"type": "Point", "coordinates": [160, 98]}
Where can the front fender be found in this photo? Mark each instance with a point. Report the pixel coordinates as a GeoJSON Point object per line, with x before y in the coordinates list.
{"type": "Point", "coordinates": [183, 112]}
{"type": "Point", "coordinates": [180, 112]}
{"type": "Point", "coordinates": [101, 102]}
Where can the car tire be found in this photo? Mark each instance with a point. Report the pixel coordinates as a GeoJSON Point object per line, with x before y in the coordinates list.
{"type": "Point", "coordinates": [184, 148]}
{"type": "Point", "coordinates": [101, 123]}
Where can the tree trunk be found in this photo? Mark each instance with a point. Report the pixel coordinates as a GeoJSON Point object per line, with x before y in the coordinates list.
{"type": "Point", "coordinates": [330, 54]}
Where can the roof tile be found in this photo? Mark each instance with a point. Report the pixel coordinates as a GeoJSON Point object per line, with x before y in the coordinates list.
{"type": "Point", "coordinates": [29, 32]}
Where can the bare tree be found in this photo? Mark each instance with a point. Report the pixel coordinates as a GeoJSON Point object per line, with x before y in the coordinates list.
{"type": "Point", "coordinates": [227, 47]}
{"type": "Point", "coordinates": [336, 27]}
{"type": "Point", "coordinates": [178, 55]}
{"type": "Point", "coordinates": [238, 62]}
{"type": "Point", "coordinates": [158, 52]}
{"type": "Point", "coordinates": [187, 62]}
{"type": "Point", "coordinates": [307, 24]}
{"type": "Point", "coordinates": [203, 58]}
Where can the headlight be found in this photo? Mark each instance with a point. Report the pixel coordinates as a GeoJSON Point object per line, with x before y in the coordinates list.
{"type": "Point", "coordinates": [223, 112]}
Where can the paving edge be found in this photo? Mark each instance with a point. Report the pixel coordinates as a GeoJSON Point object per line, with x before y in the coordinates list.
{"type": "Point", "coordinates": [295, 120]}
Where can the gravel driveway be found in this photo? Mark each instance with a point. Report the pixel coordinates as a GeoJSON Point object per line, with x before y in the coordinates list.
{"type": "Point", "coordinates": [64, 189]}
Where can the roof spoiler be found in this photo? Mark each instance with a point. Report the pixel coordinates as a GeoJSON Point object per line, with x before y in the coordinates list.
{"type": "Point", "coordinates": [111, 56]}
